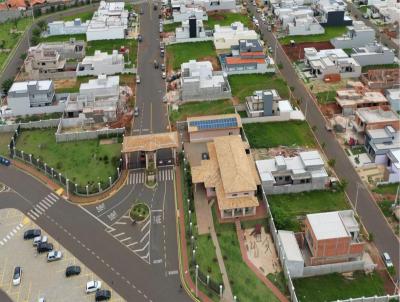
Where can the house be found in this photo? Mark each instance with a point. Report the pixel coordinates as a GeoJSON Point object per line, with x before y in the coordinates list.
{"type": "Point", "coordinates": [388, 10]}
{"type": "Point", "coordinates": [229, 175]}
{"type": "Point", "coordinates": [333, 237]}
{"type": "Point", "coordinates": [101, 63]}
{"type": "Point", "coordinates": [206, 128]}
{"type": "Point", "coordinates": [379, 142]}
{"type": "Point", "coordinates": [200, 82]}
{"type": "Point", "coordinates": [19, 4]}
{"type": "Point", "coordinates": [304, 172]}
{"type": "Point", "coordinates": [332, 13]}
{"type": "Point", "coordinates": [392, 172]}
{"type": "Point", "coordinates": [373, 54]}
{"type": "Point", "coordinates": [185, 12]}
{"type": "Point", "coordinates": [393, 96]}
{"type": "Point", "coordinates": [357, 35]}
{"type": "Point", "coordinates": [303, 26]}
{"type": "Point", "coordinates": [34, 97]}
{"type": "Point", "coordinates": [49, 60]}
{"type": "Point", "coordinates": [288, 14]}
{"type": "Point", "coordinates": [190, 29]}
{"type": "Point", "coordinates": [356, 95]}
{"type": "Point", "coordinates": [213, 5]}
{"type": "Point", "coordinates": [375, 118]}
{"type": "Point", "coordinates": [109, 22]}
{"type": "Point", "coordinates": [75, 27]}
{"type": "Point", "coordinates": [329, 62]}
{"type": "Point", "coordinates": [227, 36]}
{"type": "Point", "coordinates": [245, 58]}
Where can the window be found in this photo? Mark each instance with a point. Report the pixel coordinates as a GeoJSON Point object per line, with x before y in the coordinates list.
{"type": "Point", "coordinates": [234, 194]}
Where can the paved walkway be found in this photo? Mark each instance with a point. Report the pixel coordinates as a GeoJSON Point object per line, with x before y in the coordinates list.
{"type": "Point", "coordinates": [204, 219]}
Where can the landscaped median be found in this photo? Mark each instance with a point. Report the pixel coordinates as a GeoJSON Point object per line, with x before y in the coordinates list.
{"type": "Point", "coordinates": [139, 212]}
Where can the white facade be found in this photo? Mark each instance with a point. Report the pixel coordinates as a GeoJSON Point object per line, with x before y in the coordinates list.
{"type": "Point", "coordinates": [101, 87]}
{"type": "Point", "coordinates": [101, 63]}
{"type": "Point", "coordinates": [357, 35]}
{"type": "Point", "coordinates": [373, 54]}
{"type": "Point", "coordinates": [109, 22]}
{"type": "Point", "coordinates": [75, 27]}
{"type": "Point", "coordinates": [393, 166]}
{"type": "Point", "coordinates": [208, 5]}
{"type": "Point", "coordinates": [393, 96]}
{"type": "Point", "coordinates": [288, 14]}
{"type": "Point", "coordinates": [185, 12]}
{"type": "Point", "coordinates": [388, 10]}
{"type": "Point", "coordinates": [305, 26]}
{"type": "Point", "coordinates": [293, 258]}
{"type": "Point", "coordinates": [183, 32]}
{"type": "Point", "coordinates": [226, 36]}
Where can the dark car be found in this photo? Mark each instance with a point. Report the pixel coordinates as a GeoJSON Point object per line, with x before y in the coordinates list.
{"type": "Point", "coordinates": [72, 270]}
{"type": "Point", "coordinates": [32, 233]}
{"type": "Point", "coordinates": [103, 295]}
{"type": "Point", "coordinates": [140, 38]}
{"type": "Point", "coordinates": [4, 161]}
{"type": "Point", "coordinates": [44, 247]}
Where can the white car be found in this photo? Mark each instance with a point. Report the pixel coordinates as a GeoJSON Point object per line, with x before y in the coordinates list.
{"type": "Point", "coordinates": [39, 239]}
{"type": "Point", "coordinates": [17, 275]}
{"type": "Point", "coordinates": [92, 286]}
{"type": "Point", "coordinates": [387, 260]}
{"type": "Point", "coordinates": [137, 79]}
{"type": "Point", "coordinates": [54, 256]}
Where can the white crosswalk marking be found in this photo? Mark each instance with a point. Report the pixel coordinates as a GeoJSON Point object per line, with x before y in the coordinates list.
{"type": "Point", "coordinates": [33, 213]}
{"type": "Point", "coordinates": [40, 207]}
{"type": "Point", "coordinates": [165, 174]}
{"type": "Point", "coordinates": [31, 216]}
{"type": "Point", "coordinates": [54, 196]}
{"type": "Point", "coordinates": [37, 211]}
{"type": "Point", "coordinates": [42, 204]}
{"type": "Point", "coordinates": [46, 202]}
{"type": "Point", "coordinates": [136, 178]}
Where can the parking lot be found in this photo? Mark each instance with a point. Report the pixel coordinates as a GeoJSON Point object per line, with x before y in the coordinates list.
{"type": "Point", "coordinates": [39, 278]}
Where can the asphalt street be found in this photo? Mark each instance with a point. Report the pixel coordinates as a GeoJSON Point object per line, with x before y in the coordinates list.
{"type": "Point", "coordinates": [367, 209]}
{"type": "Point", "coordinates": [4, 297]}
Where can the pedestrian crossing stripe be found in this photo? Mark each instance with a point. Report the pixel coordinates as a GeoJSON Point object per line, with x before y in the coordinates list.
{"type": "Point", "coordinates": [140, 177]}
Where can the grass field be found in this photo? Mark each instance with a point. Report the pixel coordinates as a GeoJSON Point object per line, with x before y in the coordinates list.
{"type": "Point", "coordinates": [286, 208]}
{"type": "Point", "coordinates": [84, 16]}
{"type": "Point", "coordinates": [334, 287]}
{"type": "Point", "coordinates": [326, 97]}
{"type": "Point", "coordinates": [387, 189]}
{"type": "Point", "coordinates": [268, 135]}
{"type": "Point", "coordinates": [63, 38]}
{"type": "Point", "coordinates": [207, 258]}
{"type": "Point", "coordinates": [244, 85]}
{"type": "Point", "coordinates": [171, 27]}
{"type": "Point", "coordinates": [82, 162]}
{"type": "Point", "coordinates": [183, 52]}
{"type": "Point", "coordinates": [330, 32]}
{"type": "Point", "coordinates": [5, 138]}
{"type": "Point", "coordinates": [11, 39]}
{"type": "Point", "coordinates": [201, 108]}
{"type": "Point", "coordinates": [77, 84]}
{"type": "Point", "coordinates": [245, 284]}
{"type": "Point", "coordinates": [226, 19]}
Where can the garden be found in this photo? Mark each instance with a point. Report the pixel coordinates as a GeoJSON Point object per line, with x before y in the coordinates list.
{"type": "Point", "coordinates": [226, 19]}
{"type": "Point", "coordinates": [139, 212]}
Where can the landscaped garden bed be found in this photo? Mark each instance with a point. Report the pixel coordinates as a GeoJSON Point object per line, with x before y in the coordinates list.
{"type": "Point", "coordinates": [139, 212]}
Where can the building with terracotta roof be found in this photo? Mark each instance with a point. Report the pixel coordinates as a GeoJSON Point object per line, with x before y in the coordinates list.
{"type": "Point", "coordinates": [246, 57]}
{"type": "Point", "coordinates": [20, 4]}
{"type": "Point", "coordinates": [229, 175]}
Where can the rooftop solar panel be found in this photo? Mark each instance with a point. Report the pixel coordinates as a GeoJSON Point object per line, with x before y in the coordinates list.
{"type": "Point", "coordinates": [215, 124]}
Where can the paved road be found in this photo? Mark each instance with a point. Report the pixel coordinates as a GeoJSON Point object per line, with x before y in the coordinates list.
{"type": "Point", "coordinates": [4, 297]}
{"type": "Point", "coordinates": [367, 209]}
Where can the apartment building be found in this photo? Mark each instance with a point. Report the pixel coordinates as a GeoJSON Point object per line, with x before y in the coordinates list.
{"type": "Point", "coordinates": [101, 63]}
{"type": "Point", "coordinates": [58, 28]}
{"type": "Point", "coordinates": [358, 35]}
{"type": "Point", "coordinates": [227, 36]}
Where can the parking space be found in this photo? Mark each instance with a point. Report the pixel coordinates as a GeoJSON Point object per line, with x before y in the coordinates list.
{"type": "Point", "coordinates": [39, 277]}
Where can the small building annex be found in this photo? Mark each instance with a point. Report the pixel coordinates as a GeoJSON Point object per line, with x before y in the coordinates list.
{"type": "Point", "coordinates": [374, 118]}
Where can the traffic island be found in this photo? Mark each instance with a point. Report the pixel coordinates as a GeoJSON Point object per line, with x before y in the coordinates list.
{"type": "Point", "coordinates": [139, 212]}
{"type": "Point", "coordinates": [151, 180]}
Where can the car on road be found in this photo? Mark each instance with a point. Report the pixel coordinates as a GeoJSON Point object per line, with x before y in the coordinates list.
{"type": "Point", "coordinates": [103, 295]}
{"type": "Point", "coordinates": [93, 286]}
{"type": "Point", "coordinates": [136, 111]}
{"type": "Point", "coordinates": [39, 239]}
{"type": "Point", "coordinates": [163, 67]}
{"type": "Point", "coordinates": [270, 50]}
{"type": "Point", "coordinates": [140, 38]}
{"type": "Point", "coordinates": [137, 79]}
{"type": "Point", "coordinates": [164, 75]}
{"type": "Point", "coordinates": [32, 233]}
{"type": "Point", "coordinates": [41, 300]}
{"type": "Point", "coordinates": [54, 256]}
{"type": "Point", "coordinates": [269, 28]}
{"type": "Point", "coordinates": [156, 64]}
{"type": "Point", "coordinates": [387, 260]}
{"type": "Point", "coordinates": [72, 270]}
{"type": "Point", "coordinates": [44, 247]}
{"type": "Point", "coordinates": [17, 275]}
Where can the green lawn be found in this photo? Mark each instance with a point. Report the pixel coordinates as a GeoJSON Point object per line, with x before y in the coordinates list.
{"type": "Point", "coordinates": [171, 26]}
{"type": "Point", "coordinates": [226, 19]}
{"type": "Point", "coordinates": [268, 135]}
{"type": "Point", "coordinates": [83, 16]}
{"type": "Point", "coordinates": [77, 84]}
{"type": "Point", "coordinates": [326, 97]}
{"type": "Point", "coordinates": [11, 39]}
{"type": "Point", "coordinates": [244, 85]}
{"type": "Point", "coordinates": [5, 138]}
{"type": "Point", "coordinates": [62, 38]}
{"type": "Point", "coordinates": [330, 32]}
{"type": "Point", "coordinates": [333, 287]}
{"type": "Point", "coordinates": [82, 161]}
{"type": "Point", "coordinates": [384, 66]}
{"type": "Point", "coordinates": [207, 258]}
{"type": "Point", "coordinates": [387, 189]}
{"type": "Point", "coordinates": [183, 52]}
{"type": "Point", "coordinates": [245, 284]}
{"type": "Point", "coordinates": [287, 208]}
{"type": "Point", "coordinates": [386, 207]}
{"type": "Point", "coordinates": [201, 108]}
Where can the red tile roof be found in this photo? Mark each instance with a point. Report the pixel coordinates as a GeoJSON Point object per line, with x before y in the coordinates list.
{"type": "Point", "coordinates": [237, 60]}
{"type": "Point", "coordinates": [249, 54]}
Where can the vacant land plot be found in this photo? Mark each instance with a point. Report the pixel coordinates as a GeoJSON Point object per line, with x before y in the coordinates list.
{"type": "Point", "coordinates": [5, 138]}
{"type": "Point", "coordinates": [287, 208]}
{"type": "Point", "coordinates": [296, 52]}
{"type": "Point", "coordinates": [171, 26]}
{"type": "Point", "coordinates": [82, 161]}
{"type": "Point", "coordinates": [183, 52]}
{"type": "Point", "coordinates": [226, 19]}
{"type": "Point", "coordinates": [330, 32]}
{"type": "Point", "coordinates": [245, 284]}
{"type": "Point", "coordinates": [84, 16]}
{"type": "Point", "coordinates": [10, 33]}
{"type": "Point", "coordinates": [244, 85]}
{"type": "Point", "coordinates": [201, 108]}
{"type": "Point", "coordinates": [326, 97]}
{"type": "Point", "coordinates": [71, 85]}
{"type": "Point", "coordinates": [387, 189]}
{"type": "Point", "coordinates": [269, 135]}
{"type": "Point", "coordinates": [338, 287]}
{"type": "Point", "coordinates": [63, 38]}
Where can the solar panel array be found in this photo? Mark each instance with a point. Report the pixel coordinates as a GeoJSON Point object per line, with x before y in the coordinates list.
{"type": "Point", "coordinates": [215, 124]}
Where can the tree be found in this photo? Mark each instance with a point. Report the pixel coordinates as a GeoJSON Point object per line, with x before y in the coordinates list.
{"type": "Point", "coordinates": [6, 85]}
{"type": "Point", "coordinates": [332, 162]}
{"type": "Point", "coordinates": [35, 40]}
{"type": "Point", "coordinates": [23, 56]}
{"type": "Point", "coordinates": [2, 44]}
{"type": "Point", "coordinates": [36, 31]}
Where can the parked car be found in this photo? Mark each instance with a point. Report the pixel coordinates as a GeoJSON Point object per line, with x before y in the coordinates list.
{"type": "Point", "coordinates": [137, 79]}
{"type": "Point", "coordinates": [365, 16]}
{"type": "Point", "coordinates": [103, 295]}
{"type": "Point", "coordinates": [269, 28]}
{"type": "Point", "coordinates": [387, 260]}
{"type": "Point", "coordinates": [4, 161]}
{"type": "Point", "coordinates": [258, 10]}
{"type": "Point", "coordinates": [44, 247]}
{"type": "Point", "coordinates": [39, 239]}
{"type": "Point", "coordinates": [32, 233]}
{"type": "Point", "coordinates": [164, 75]}
{"type": "Point", "coordinates": [54, 256]}
{"type": "Point", "coordinates": [140, 38]}
{"type": "Point", "coordinates": [136, 111]}
{"type": "Point", "coordinates": [92, 286]}
{"type": "Point", "coordinates": [72, 270]}
{"type": "Point", "coordinates": [162, 52]}
{"type": "Point", "coordinates": [155, 7]}
{"type": "Point", "coordinates": [41, 300]}
{"type": "Point", "coordinates": [162, 45]}
{"type": "Point", "coordinates": [156, 64]}
{"type": "Point", "coordinates": [163, 67]}
{"type": "Point", "coordinates": [17, 275]}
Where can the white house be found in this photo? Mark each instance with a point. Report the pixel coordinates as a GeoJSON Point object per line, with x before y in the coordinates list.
{"type": "Point", "coordinates": [109, 22]}
{"type": "Point", "coordinates": [101, 63]}
{"type": "Point", "coordinates": [332, 13]}
{"type": "Point", "coordinates": [388, 10]}
{"type": "Point", "coordinates": [330, 61]}
{"type": "Point", "coordinates": [208, 5]}
{"type": "Point", "coordinates": [185, 12]}
{"type": "Point", "coordinates": [190, 29]}
{"type": "Point", "coordinates": [357, 35]}
{"type": "Point", "coordinates": [304, 172]}
{"type": "Point", "coordinates": [393, 166]}
{"type": "Point", "coordinates": [75, 27]}
{"type": "Point", "coordinates": [373, 54]}
{"type": "Point", "coordinates": [226, 36]}
{"type": "Point", "coordinates": [200, 82]}
{"type": "Point", "coordinates": [288, 14]}
{"type": "Point", "coordinates": [393, 96]}
{"type": "Point", "coordinates": [303, 26]}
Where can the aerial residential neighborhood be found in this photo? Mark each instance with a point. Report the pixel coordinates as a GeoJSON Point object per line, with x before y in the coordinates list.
{"type": "Point", "coordinates": [200, 150]}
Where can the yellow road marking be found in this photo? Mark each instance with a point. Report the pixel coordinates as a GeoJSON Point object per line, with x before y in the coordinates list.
{"type": "Point", "coordinates": [26, 220]}
{"type": "Point", "coordinates": [59, 191]}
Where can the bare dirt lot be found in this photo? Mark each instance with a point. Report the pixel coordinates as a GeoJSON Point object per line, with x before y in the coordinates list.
{"type": "Point", "coordinates": [296, 52]}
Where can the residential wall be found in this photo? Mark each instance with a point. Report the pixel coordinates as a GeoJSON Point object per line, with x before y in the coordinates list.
{"type": "Point", "coordinates": [325, 269]}
{"type": "Point", "coordinates": [31, 125]}
{"type": "Point", "coordinates": [109, 33]}
{"type": "Point", "coordinates": [316, 184]}
{"type": "Point", "coordinates": [11, 14]}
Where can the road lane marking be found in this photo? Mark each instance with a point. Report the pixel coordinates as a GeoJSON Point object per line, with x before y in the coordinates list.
{"type": "Point", "coordinates": [147, 223]}
{"type": "Point", "coordinates": [143, 248]}
{"type": "Point", "coordinates": [119, 234]}
{"type": "Point", "coordinates": [144, 237]}
{"type": "Point", "coordinates": [126, 239]}
{"type": "Point", "coordinates": [171, 273]}
{"type": "Point", "coordinates": [133, 243]}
